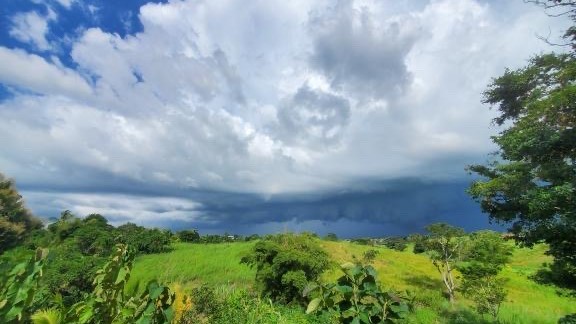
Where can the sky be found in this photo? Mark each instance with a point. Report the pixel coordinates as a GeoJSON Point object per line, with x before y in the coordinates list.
{"type": "Point", "coordinates": [354, 117]}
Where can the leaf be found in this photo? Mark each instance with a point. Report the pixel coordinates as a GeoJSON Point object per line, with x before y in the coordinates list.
{"type": "Point", "coordinates": [122, 273]}
{"type": "Point", "coordinates": [371, 271]}
{"type": "Point", "coordinates": [349, 312]}
{"type": "Point", "coordinates": [311, 286]}
{"type": "Point", "coordinates": [169, 314]}
{"type": "Point", "coordinates": [343, 289]}
{"type": "Point", "coordinates": [347, 265]}
{"type": "Point", "coordinates": [313, 305]}
{"type": "Point", "coordinates": [364, 317]}
{"type": "Point", "coordinates": [156, 292]}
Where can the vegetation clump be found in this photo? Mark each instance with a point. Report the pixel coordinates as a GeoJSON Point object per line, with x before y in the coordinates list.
{"type": "Point", "coordinates": [356, 298]}
{"type": "Point", "coordinates": [285, 264]}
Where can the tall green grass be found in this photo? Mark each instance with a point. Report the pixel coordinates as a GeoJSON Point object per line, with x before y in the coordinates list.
{"type": "Point", "coordinates": [218, 264]}
{"type": "Point", "coordinates": [194, 264]}
{"type": "Point", "coordinates": [527, 300]}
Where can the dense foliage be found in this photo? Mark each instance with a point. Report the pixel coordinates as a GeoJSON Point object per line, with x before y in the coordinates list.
{"type": "Point", "coordinates": [107, 303]}
{"type": "Point", "coordinates": [78, 248]}
{"type": "Point", "coordinates": [17, 288]}
{"type": "Point", "coordinates": [16, 221]}
{"type": "Point", "coordinates": [285, 264]}
{"type": "Point", "coordinates": [188, 236]}
{"type": "Point", "coordinates": [531, 183]}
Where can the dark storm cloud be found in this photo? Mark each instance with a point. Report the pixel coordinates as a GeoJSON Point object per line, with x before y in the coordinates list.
{"type": "Point", "coordinates": [400, 207]}
{"type": "Point", "coordinates": [397, 207]}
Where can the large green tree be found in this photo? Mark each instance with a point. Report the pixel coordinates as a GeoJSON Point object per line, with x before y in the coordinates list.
{"type": "Point", "coordinates": [530, 183]}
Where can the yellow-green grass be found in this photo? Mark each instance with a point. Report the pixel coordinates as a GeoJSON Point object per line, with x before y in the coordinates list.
{"type": "Point", "coordinates": [218, 264]}
{"type": "Point", "coordinates": [526, 302]}
{"type": "Point", "coordinates": [192, 264]}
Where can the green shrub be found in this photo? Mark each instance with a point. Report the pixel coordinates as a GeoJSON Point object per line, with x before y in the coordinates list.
{"type": "Point", "coordinates": [395, 243]}
{"type": "Point", "coordinates": [370, 255]}
{"type": "Point", "coordinates": [357, 298]}
{"type": "Point", "coordinates": [188, 236]}
{"type": "Point", "coordinates": [285, 263]}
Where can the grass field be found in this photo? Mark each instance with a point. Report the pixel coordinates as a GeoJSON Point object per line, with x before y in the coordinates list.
{"type": "Point", "coordinates": [218, 264]}
{"type": "Point", "coordinates": [193, 264]}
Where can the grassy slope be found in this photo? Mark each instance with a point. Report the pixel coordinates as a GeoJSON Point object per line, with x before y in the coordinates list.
{"type": "Point", "coordinates": [192, 264]}
{"type": "Point", "coordinates": [527, 301]}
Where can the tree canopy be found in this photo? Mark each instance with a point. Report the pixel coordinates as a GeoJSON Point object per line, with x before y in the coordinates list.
{"type": "Point", "coordinates": [530, 183]}
{"type": "Point", "coordinates": [15, 219]}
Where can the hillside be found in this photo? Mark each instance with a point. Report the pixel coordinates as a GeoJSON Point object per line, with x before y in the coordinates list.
{"type": "Point", "coordinates": [218, 264]}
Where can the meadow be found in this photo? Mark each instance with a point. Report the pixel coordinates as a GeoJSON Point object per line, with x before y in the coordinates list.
{"type": "Point", "coordinates": [190, 265]}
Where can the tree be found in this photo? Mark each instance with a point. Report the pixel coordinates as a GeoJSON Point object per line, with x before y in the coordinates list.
{"type": "Point", "coordinates": [445, 247]}
{"type": "Point", "coordinates": [531, 182]}
{"type": "Point", "coordinates": [486, 254]}
{"type": "Point", "coordinates": [15, 219]}
{"type": "Point", "coordinates": [285, 264]}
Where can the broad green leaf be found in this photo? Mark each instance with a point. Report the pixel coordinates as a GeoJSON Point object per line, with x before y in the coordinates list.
{"type": "Point", "coordinates": [313, 305]}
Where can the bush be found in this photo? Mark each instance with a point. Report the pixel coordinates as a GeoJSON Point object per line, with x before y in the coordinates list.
{"type": "Point", "coordinates": [370, 255]}
{"type": "Point", "coordinates": [419, 241]}
{"type": "Point", "coordinates": [188, 236]}
{"type": "Point", "coordinates": [285, 263]}
{"type": "Point", "coordinates": [419, 247]}
{"type": "Point", "coordinates": [362, 241]}
{"type": "Point", "coordinates": [331, 237]}
{"type": "Point", "coordinates": [356, 298]}
{"type": "Point", "coordinates": [395, 243]}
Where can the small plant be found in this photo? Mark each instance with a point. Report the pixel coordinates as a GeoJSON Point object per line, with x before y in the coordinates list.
{"type": "Point", "coordinates": [487, 293]}
{"type": "Point", "coordinates": [357, 298]}
{"type": "Point", "coordinates": [370, 255]}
